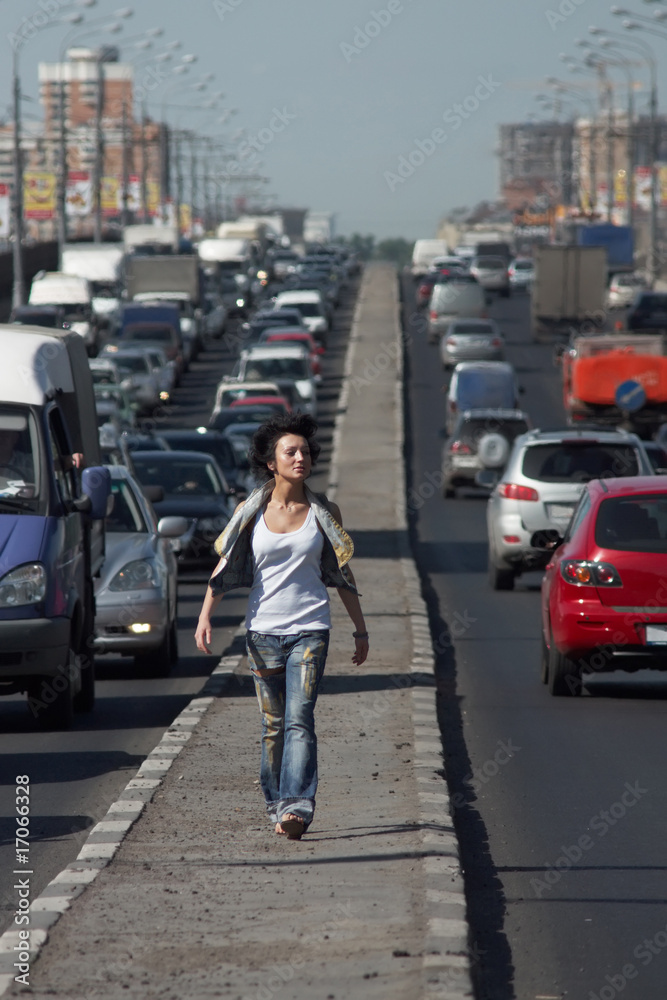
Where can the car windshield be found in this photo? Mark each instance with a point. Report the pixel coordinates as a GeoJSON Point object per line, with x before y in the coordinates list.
{"type": "Point", "coordinates": [19, 454]}
{"type": "Point", "coordinates": [309, 309]}
{"type": "Point", "coordinates": [272, 368]}
{"type": "Point", "coordinates": [219, 447]}
{"type": "Point", "coordinates": [492, 263]}
{"type": "Point", "coordinates": [126, 515]}
{"type": "Point", "coordinates": [579, 461]}
{"type": "Point", "coordinates": [523, 265]}
{"type": "Point", "coordinates": [157, 334]}
{"type": "Point", "coordinates": [137, 363]}
{"type": "Point", "coordinates": [634, 524]}
{"type": "Point", "coordinates": [103, 376]}
{"type": "Point", "coordinates": [178, 476]}
{"type": "Point", "coordinates": [472, 328]}
{"type": "Point", "coordinates": [243, 415]}
{"type": "Point", "coordinates": [493, 389]}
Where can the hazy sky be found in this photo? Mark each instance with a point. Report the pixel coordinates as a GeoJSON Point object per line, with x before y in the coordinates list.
{"type": "Point", "coordinates": [338, 94]}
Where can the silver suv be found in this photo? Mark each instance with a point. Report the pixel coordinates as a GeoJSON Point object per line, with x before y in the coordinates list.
{"type": "Point", "coordinates": [481, 439]}
{"type": "Point", "coordinates": [541, 485]}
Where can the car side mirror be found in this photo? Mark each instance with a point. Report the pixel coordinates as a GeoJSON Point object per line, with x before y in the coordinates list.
{"type": "Point", "coordinates": [96, 486]}
{"type": "Point", "coordinates": [171, 527]}
{"type": "Point", "coordinates": [547, 539]}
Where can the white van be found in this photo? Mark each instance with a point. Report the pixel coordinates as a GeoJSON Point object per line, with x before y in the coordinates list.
{"type": "Point", "coordinates": [459, 298]}
{"type": "Point", "coordinates": [311, 305]}
{"type": "Point", "coordinates": [424, 253]}
{"type": "Point", "coordinates": [75, 295]}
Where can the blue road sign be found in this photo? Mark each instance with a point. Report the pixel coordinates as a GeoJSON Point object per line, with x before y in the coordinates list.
{"type": "Point", "coordinates": [630, 396]}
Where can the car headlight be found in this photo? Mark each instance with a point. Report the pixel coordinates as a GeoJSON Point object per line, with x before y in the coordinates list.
{"type": "Point", "coordinates": [240, 303]}
{"type": "Point", "coordinates": [24, 585]}
{"type": "Point", "coordinates": [137, 575]}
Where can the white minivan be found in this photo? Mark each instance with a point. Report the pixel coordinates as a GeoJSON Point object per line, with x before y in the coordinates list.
{"type": "Point", "coordinates": [461, 297]}
{"type": "Point", "coordinates": [311, 305]}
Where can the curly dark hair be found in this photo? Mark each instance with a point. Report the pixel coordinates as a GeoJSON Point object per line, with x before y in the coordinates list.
{"type": "Point", "coordinates": [266, 437]}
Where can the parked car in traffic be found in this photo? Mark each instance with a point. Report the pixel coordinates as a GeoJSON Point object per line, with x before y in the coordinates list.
{"type": "Point", "coordinates": [603, 592]}
{"type": "Point", "coordinates": [210, 442]}
{"type": "Point", "coordinates": [487, 384]}
{"type": "Point", "coordinates": [194, 488]}
{"type": "Point", "coordinates": [623, 289]}
{"type": "Point", "coordinates": [136, 592]}
{"type": "Point", "coordinates": [310, 303]}
{"type": "Point", "coordinates": [492, 274]}
{"type": "Point", "coordinates": [471, 340]}
{"type": "Point", "coordinates": [286, 365]}
{"type": "Point", "coordinates": [521, 273]}
{"type": "Point", "coordinates": [541, 485]}
{"type": "Point", "coordinates": [458, 297]}
{"type": "Point", "coordinates": [648, 312]}
{"type": "Point", "coordinates": [481, 439]}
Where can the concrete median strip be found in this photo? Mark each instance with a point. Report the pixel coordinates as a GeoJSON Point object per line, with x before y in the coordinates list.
{"type": "Point", "coordinates": [445, 956]}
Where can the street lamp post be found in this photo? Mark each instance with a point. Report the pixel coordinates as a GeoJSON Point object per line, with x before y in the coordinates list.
{"type": "Point", "coordinates": [593, 53]}
{"type": "Point", "coordinates": [558, 85]}
{"type": "Point", "coordinates": [614, 40]}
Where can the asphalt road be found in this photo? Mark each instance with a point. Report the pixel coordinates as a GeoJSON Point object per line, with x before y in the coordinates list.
{"type": "Point", "coordinates": [560, 803]}
{"type": "Point", "coordinates": [76, 775]}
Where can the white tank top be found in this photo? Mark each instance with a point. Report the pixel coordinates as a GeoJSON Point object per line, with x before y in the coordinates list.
{"type": "Point", "coordinates": [287, 594]}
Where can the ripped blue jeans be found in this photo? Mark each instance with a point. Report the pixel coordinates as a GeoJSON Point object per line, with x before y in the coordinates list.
{"type": "Point", "coordinates": [287, 696]}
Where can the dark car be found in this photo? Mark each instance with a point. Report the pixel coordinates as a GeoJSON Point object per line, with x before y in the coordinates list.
{"type": "Point", "coordinates": [194, 488]}
{"type": "Point", "coordinates": [49, 316]}
{"type": "Point", "coordinates": [214, 443]}
{"type": "Point", "coordinates": [229, 415]}
{"type": "Point", "coordinates": [648, 312]}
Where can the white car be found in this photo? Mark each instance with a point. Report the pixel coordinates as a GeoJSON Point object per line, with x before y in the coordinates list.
{"type": "Point", "coordinates": [623, 289]}
{"type": "Point", "coordinates": [312, 307]}
{"type": "Point", "coordinates": [288, 366]}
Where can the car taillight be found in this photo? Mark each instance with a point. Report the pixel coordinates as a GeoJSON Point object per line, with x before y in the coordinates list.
{"type": "Point", "coordinates": [459, 448]}
{"type": "Point", "coordinates": [496, 342]}
{"type": "Point", "coordinates": [451, 341]}
{"type": "Point", "coordinates": [433, 314]}
{"type": "Point", "coordinates": [589, 574]}
{"type": "Point", "coordinates": [513, 491]}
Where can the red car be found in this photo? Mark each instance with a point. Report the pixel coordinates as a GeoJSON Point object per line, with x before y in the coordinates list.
{"type": "Point", "coordinates": [604, 591]}
{"type": "Point", "coordinates": [277, 403]}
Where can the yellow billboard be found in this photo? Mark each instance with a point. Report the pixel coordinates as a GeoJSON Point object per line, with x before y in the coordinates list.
{"type": "Point", "coordinates": [39, 195]}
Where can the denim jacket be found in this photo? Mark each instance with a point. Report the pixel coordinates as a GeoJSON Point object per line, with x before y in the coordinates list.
{"type": "Point", "coordinates": [234, 545]}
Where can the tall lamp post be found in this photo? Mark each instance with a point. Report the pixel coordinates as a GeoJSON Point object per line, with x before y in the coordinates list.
{"type": "Point", "coordinates": [18, 283]}
{"type": "Point", "coordinates": [589, 104]}
{"type": "Point", "coordinates": [614, 40]}
{"type": "Point", "coordinates": [92, 27]}
{"type": "Point", "coordinates": [627, 66]}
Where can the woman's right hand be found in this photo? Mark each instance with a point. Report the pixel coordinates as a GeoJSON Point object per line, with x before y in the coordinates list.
{"type": "Point", "coordinates": [203, 635]}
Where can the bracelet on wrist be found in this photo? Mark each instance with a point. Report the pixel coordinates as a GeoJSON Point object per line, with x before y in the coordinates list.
{"type": "Point", "coordinates": [360, 635]}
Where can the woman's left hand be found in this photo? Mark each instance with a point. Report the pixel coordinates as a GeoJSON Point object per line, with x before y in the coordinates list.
{"type": "Point", "coordinates": [360, 651]}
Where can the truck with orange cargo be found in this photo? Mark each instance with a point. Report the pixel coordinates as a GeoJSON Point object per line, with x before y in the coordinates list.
{"type": "Point", "coordinates": [616, 379]}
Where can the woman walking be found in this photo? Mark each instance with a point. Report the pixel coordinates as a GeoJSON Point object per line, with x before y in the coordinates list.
{"type": "Point", "coordinates": [287, 544]}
